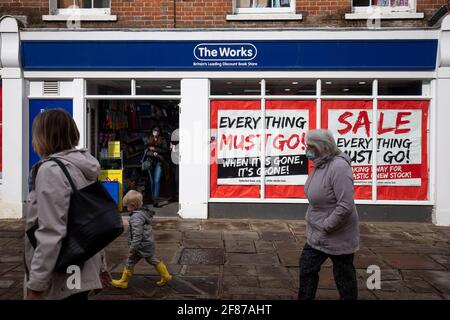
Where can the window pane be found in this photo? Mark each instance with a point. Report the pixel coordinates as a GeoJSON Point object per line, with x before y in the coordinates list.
{"type": "Point", "coordinates": [65, 3]}
{"type": "Point", "coordinates": [101, 4]}
{"type": "Point", "coordinates": [157, 87]}
{"type": "Point", "coordinates": [392, 3]}
{"type": "Point", "coordinates": [400, 88]}
{"type": "Point", "coordinates": [235, 87]}
{"type": "Point", "coordinates": [108, 87]}
{"type": "Point", "coordinates": [276, 87]}
{"type": "Point", "coordinates": [361, 3]}
{"type": "Point", "coordinates": [347, 87]}
{"type": "Point", "coordinates": [262, 3]}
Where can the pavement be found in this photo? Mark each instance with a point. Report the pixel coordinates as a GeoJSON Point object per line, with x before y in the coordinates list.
{"type": "Point", "coordinates": [258, 259]}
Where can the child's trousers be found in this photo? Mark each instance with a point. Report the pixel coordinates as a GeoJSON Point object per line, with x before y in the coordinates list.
{"type": "Point", "coordinates": [135, 257]}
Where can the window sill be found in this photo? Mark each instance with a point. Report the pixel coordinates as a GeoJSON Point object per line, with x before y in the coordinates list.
{"type": "Point", "coordinates": [85, 17]}
{"type": "Point", "coordinates": [383, 15]}
{"type": "Point", "coordinates": [263, 16]}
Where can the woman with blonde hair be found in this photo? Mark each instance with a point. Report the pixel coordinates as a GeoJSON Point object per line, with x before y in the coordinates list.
{"type": "Point", "coordinates": [332, 229]}
{"type": "Point", "coordinates": [55, 135]}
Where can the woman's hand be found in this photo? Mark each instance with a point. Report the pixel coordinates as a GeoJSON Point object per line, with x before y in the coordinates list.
{"type": "Point", "coordinates": [151, 148]}
{"type": "Point", "coordinates": [35, 295]}
{"type": "Point", "coordinates": [106, 279]}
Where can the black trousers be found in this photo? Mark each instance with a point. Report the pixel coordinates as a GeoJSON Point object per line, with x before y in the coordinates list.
{"type": "Point", "coordinates": [344, 272]}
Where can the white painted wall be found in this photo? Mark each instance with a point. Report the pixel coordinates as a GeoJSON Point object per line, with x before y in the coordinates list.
{"type": "Point", "coordinates": [441, 212]}
{"type": "Point", "coordinates": [194, 150]}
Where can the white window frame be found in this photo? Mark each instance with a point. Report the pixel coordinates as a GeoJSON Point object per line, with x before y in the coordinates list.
{"type": "Point", "coordinates": [384, 12]}
{"type": "Point", "coordinates": [255, 10]}
{"type": "Point", "coordinates": [82, 14]}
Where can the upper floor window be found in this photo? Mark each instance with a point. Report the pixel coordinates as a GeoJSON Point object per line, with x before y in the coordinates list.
{"type": "Point", "coordinates": [83, 10]}
{"type": "Point", "coordinates": [384, 5]}
{"type": "Point", "coordinates": [265, 6]}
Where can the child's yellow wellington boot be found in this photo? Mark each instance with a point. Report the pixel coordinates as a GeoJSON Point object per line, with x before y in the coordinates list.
{"type": "Point", "coordinates": [165, 276]}
{"type": "Point", "coordinates": [123, 282]}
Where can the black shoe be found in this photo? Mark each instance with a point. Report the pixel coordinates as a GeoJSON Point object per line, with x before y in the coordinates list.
{"type": "Point", "coordinates": [156, 205]}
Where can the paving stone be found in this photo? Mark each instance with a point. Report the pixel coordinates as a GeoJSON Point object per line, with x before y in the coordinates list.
{"type": "Point", "coordinates": [239, 281]}
{"type": "Point", "coordinates": [240, 235]}
{"type": "Point", "coordinates": [362, 261]}
{"type": "Point", "coordinates": [247, 271]}
{"type": "Point", "coordinates": [256, 259]}
{"type": "Point", "coordinates": [439, 279]}
{"type": "Point", "coordinates": [290, 245]}
{"type": "Point", "coordinates": [419, 286]}
{"type": "Point", "coordinates": [277, 236]}
{"type": "Point", "coordinates": [411, 261]}
{"type": "Point", "coordinates": [297, 226]}
{"type": "Point", "coordinates": [272, 272]}
{"type": "Point", "coordinates": [5, 284]}
{"type": "Point", "coordinates": [10, 258]}
{"type": "Point", "coordinates": [203, 243]}
{"type": "Point", "coordinates": [178, 224]}
{"type": "Point", "coordinates": [206, 285]}
{"type": "Point", "coordinates": [226, 225]}
{"type": "Point", "coordinates": [202, 256]}
{"type": "Point", "coordinates": [202, 270]}
{"type": "Point", "coordinates": [167, 236]}
{"type": "Point", "coordinates": [264, 246]}
{"type": "Point", "coordinates": [441, 259]}
{"type": "Point", "coordinates": [194, 234]}
{"type": "Point", "coordinates": [279, 292]}
{"type": "Point", "coordinates": [271, 282]}
{"type": "Point", "coordinates": [269, 225]}
{"type": "Point", "coordinates": [327, 294]}
{"type": "Point", "coordinates": [7, 266]}
{"type": "Point", "coordinates": [289, 258]}
{"type": "Point", "coordinates": [326, 279]}
{"type": "Point", "coordinates": [242, 246]}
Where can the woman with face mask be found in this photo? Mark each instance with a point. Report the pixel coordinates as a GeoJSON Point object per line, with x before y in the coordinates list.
{"type": "Point", "coordinates": [332, 229]}
{"type": "Point", "coordinates": [157, 148]}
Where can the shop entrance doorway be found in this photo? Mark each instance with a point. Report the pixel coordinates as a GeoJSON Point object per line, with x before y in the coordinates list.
{"type": "Point", "coordinates": [123, 134]}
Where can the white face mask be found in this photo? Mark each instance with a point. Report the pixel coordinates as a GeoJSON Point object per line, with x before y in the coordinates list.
{"type": "Point", "coordinates": [155, 133]}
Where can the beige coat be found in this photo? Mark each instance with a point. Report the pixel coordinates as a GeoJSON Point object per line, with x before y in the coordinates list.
{"type": "Point", "coordinates": [48, 203]}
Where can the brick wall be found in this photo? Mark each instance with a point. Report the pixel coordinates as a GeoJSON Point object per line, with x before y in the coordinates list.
{"type": "Point", "coordinates": [208, 14]}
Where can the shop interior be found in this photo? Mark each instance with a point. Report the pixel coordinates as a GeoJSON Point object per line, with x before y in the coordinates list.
{"type": "Point", "coordinates": [120, 132]}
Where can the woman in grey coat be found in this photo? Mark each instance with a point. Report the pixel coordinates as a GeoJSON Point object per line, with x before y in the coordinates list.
{"type": "Point", "coordinates": [332, 229]}
{"type": "Point", "coordinates": [55, 135]}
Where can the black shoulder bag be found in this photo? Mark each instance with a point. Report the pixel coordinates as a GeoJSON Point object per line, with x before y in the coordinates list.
{"type": "Point", "coordinates": [93, 222]}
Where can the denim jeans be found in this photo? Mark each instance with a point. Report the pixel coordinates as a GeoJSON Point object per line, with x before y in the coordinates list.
{"type": "Point", "coordinates": [344, 274]}
{"type": "Point", "coordinates": [155, 173]}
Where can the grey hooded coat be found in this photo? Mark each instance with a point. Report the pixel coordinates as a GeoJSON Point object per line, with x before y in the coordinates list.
{"type": "Point", "coordinates": [48, 203]}
{"type": "Point", "coordinates": [140, 233]}
{"type": "Point", "coordinates": [332, 220]}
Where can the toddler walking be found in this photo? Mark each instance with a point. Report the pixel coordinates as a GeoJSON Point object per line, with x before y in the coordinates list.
{"type": "Point", "coordinates": [140, 240]}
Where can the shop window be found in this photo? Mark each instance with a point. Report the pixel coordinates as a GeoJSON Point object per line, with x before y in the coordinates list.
{"type": "Point", "coordinates": [400, 87]}
{"type": "Point", "coordinates": [265, 6]}
{"type": "Point", "coordinates": [108, 87]}
{"type": "Point", "coordinates": [277, 87]}
{"type": "Point", "coordinates": [235, 87]}
{"type": "Point", "coordinates": [89, 10]}
{"type": "Point", "coordinates": [157, 87]}
{"type": "Point", "coordinates": [347, 87]}
{"type": "Point", "coordinates": [402, 145]}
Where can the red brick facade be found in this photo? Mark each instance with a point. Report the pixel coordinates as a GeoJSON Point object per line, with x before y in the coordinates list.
{"type": "Point", "coordinates": [209, 14]}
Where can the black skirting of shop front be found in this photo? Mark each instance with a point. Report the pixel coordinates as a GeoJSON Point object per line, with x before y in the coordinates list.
{"type": "Point", "coordinates": [297, 211]}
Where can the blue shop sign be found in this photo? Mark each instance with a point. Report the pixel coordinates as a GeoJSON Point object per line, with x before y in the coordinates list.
{"type": "Point", "coordinates": [282, 55]}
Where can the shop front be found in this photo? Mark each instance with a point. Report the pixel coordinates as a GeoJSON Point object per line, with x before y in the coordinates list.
{"type": "Point", "coordinates": [233, 108]}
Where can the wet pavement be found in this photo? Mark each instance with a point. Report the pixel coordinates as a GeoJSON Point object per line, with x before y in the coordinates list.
{"type": "Point", "coordinates": [258, 259]}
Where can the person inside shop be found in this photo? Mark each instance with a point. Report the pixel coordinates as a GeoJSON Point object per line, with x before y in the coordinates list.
{"type": "Point", "coordinates": [332, 229]}
{"type": "Point", "coordinates": [175, 161]}
{"type": "Point", "coordinates": [156, 151]}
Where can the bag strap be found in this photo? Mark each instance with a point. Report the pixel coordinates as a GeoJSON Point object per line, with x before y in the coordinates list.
{"type": "Point", "coordinates": [64, 169]}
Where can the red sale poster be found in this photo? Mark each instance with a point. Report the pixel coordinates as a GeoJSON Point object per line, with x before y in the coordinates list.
{"type": "Point", "coordinates": [236, 146]}
{"type": "Point", "coordinates": [402, 149]}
